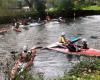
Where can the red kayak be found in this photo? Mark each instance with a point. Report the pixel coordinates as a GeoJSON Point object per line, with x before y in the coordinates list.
{"type": "Point", "coordinates": [3, 31]}
{"type": "Point", "coordinates": [88, 52]}
{"type": "Point", "coordinates": [17, 30]}
{"type": "Point", "coordinates": [24, 65]}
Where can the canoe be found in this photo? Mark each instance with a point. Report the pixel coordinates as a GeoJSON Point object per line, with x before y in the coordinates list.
{"type": "Point", "coordinates": [87, 52]}
{"type": "Point", "coordinates": [24, 65]}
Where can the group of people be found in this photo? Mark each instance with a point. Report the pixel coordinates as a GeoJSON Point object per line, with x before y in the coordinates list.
{"type": "Point", "coordinates": [16, 23]}
{"type": "Point", "coordinates": [73, 47]}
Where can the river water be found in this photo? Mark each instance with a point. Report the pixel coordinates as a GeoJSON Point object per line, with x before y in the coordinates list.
{"type": "Point", "coordinates": [52, 63]}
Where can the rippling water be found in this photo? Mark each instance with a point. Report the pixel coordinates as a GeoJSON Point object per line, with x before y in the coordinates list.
{"type": "Point", "coordinates": [51, 63]}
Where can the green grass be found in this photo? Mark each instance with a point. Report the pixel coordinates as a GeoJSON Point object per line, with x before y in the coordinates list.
{"type": "Point", "coordinates": [85, 70]}
{"type": "Point", "coordinates": [96, 7]}
{"type": "Point", "coordinates": [85, 76]}
{"type": "Point", "coordinates": [25, 75]}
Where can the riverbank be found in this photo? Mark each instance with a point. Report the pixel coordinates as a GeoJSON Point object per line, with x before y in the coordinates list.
{"type": "Point", "coordinates": [52, 14]}
{"type": "Point", "coordinates": [85, 70]}
{"type": "Point", "coordinates": [72, 13]}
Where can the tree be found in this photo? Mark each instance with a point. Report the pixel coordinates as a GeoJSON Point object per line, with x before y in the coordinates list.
{"type": "Point", "coordinates": [65, 4]}
{"type": "Point", "coordinates": [40, 7]}
{"type": "Point", "coordinates": [29, 3]}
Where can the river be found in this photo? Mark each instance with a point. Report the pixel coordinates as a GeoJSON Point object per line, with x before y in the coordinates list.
{"type": "Point", "coordinates": [52, 63]}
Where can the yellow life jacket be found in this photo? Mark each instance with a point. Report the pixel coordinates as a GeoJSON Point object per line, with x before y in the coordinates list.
{"type": "Point", "coordinates": [62, 40]}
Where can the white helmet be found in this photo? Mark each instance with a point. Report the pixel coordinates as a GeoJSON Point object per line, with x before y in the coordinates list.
{"type": "Point", "coordinates": [25, 48]}
{"type": "Point", "coordinates": [29, 51]}
{"type": "Point", "coordinates": [60, 17]}
{"type": "Point", "coordinates": [84, 40]}
{"type": "Point", "coordinates": [63, 33]}
{"type": "Point", "coordinates": [29, 18]}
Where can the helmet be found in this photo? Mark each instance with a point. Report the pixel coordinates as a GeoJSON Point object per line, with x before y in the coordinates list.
{"type": "Point", "coordinates": [60, 17]}
{"type": "Point", "coordinates": [29, 17]}
{"type": "Point", "coordinates": [63, 33]}
{"type": "Point", "coordinates": [84, 40]}
{"type": "Point", "coordinates": [25, 48]}
{"type": "Point", "coordinates": [29, 51]}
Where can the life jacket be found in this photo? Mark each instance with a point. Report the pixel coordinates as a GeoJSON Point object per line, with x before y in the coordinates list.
{"type": "Point", "coordinates": [62, 40]}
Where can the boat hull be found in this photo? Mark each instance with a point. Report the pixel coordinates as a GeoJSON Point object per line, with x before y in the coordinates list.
{"type": "Point", "coordinates": [3, 31]}
{"type": "Point", "coordinates": [35, 24]}
{"type": "Point", "coordinates": [87, 52]}
{"type": "Point", "coordinates": [17, 30]}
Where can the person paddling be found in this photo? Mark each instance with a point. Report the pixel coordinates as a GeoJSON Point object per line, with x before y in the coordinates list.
{"type": "Point", "coordinates": [23, 53]}
{"type": "Point", "coordinates": [25, 50]}
{"type": "Point", "coordinates": [62, 39]}
{"type": "Point", "coordinates": [67, 43]}
{"type": "Point", "coordinates": [17, 25]}
{"type": "Point", "coordinates": [84, 44]}
{"type": "Point", "coordinates": [60, 19]}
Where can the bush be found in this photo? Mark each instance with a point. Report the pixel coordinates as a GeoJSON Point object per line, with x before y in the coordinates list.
{"type": "Point", "coordinates": [85, 70]}
{"type": "Point", "coordinates": [25, 75]}
{"type": "Point", "coordinates": [87, 66]}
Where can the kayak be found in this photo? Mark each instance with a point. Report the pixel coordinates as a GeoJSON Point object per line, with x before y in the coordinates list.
{"type": "Point", "coordinates": [72, 40]}
{"type": "Point", "coordinates": [23, 65]}
{"type": "Point", "coordinates": [17, 30]}
{"type": "Point", "coordinates": [3, 31]}
{"type": "Point", "coordinates": [87, 52]}
{"type": "Point", "coordinates": [58, 47]}
{"type": "Point", "coordinates": [35, 24]}
{"type": "Point", "coordinates": [56, 20]}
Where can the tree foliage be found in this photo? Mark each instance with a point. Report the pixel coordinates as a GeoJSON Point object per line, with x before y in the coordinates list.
{"type": "Point", "coordinates": [29, 3]}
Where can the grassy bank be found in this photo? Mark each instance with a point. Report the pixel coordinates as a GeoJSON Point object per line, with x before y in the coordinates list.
{"type": "Point", "coordinates": [85, 70]}
{"type": "Point", "coordinates": [6, 16]}
{"type": "Point", "coordinates": [96, 7]}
